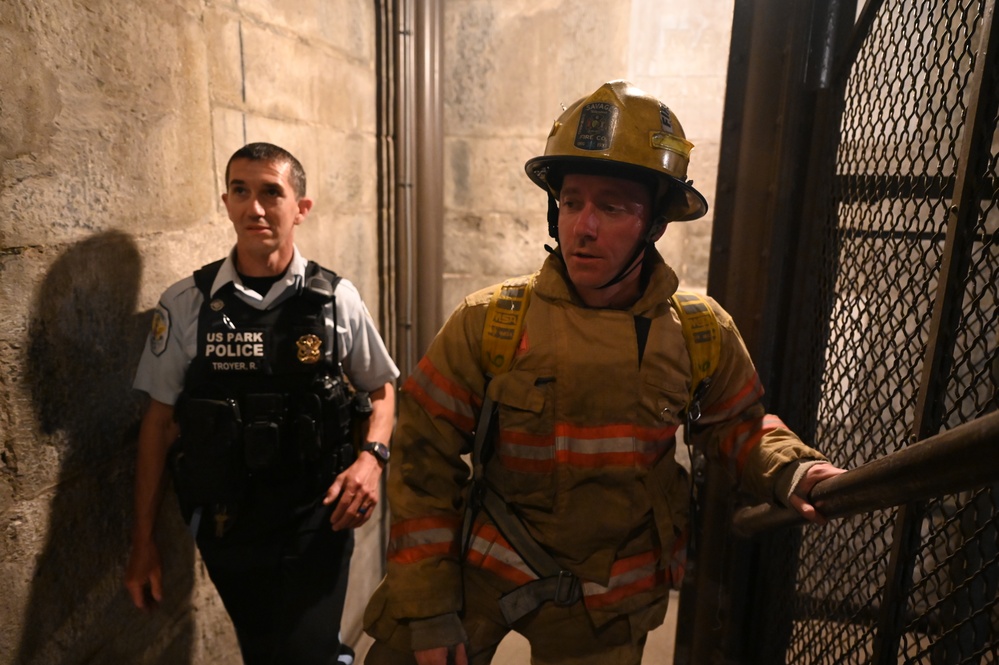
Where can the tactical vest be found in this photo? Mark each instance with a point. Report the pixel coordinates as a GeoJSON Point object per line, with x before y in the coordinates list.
{"type": "Point", "coordinates": [265, 403]}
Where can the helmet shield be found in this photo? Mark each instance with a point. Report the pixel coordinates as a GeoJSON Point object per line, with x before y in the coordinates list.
{"type": "Point", "coordinates": [623, 132]}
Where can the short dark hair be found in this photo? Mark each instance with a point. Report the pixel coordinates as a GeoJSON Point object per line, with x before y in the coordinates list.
{"type": "Point", "coordinates": [268, 152]}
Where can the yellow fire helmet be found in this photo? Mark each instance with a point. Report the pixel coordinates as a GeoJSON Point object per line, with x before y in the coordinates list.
{"type": "Point", "coordinates": [624, 132]}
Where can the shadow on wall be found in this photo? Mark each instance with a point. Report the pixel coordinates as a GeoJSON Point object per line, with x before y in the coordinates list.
{"type": "Point", "coordinates": [85, 339]}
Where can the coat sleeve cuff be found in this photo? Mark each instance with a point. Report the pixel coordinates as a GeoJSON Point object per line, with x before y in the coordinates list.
{"type": "Point", "coordinates": [789, 477]}
{"type": "Point", "coordinates": [444, 630]}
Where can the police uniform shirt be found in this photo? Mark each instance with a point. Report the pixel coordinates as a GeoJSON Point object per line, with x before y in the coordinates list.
{"type": "Point", "coordinates": [173, 343]}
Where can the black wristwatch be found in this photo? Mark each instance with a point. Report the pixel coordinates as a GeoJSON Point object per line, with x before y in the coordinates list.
{"type": "Point", "coordinates": [379, 450]}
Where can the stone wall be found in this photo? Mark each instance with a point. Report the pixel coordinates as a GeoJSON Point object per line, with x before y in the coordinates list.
{"type": "Point", "coordinates": [116, 120]}
{"type": "Point", "coordinates": [509, 67]}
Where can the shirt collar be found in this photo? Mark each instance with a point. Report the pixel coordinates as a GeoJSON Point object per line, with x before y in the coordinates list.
{"type": "Point", "coordinates": [294, 278]}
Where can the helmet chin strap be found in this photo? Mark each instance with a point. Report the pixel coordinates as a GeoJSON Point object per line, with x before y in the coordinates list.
{"type": "Point", "coordinates": [625, 271]}
{"type": "Point", "coordinates": [630, 266]}
{"type": "Point", "coordinates": [636, 258]}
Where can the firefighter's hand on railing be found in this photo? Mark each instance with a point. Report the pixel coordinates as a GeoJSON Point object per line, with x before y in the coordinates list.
{"type": "Point", "coordinates": [800, 498]}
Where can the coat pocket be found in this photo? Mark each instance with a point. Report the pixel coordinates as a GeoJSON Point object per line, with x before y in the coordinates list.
{"type": "Point", "coordinates": [523, 460]}
{"type": "Point", "coordinates": [666, 402]}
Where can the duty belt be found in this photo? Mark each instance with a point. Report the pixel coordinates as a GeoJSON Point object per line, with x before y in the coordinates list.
{"type": "Point", "coordinates": [555, 583]}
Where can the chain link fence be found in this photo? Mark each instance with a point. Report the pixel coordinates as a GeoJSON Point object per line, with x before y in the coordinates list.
{"type": "Point", "coordinates": [908, 274]}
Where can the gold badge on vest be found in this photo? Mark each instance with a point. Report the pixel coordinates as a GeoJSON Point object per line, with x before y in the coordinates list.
{"type": "Point", "coordinates": [308, 349]}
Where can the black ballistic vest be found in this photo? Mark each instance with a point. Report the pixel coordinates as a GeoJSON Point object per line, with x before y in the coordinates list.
{"type": "Point", "coordinates": [265, 402]}
{"type": "Point", "coordinates": [244, 351]}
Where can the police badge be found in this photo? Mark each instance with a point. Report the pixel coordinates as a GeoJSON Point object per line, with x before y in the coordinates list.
{"type": "Point", "coordinates": [308, 349]}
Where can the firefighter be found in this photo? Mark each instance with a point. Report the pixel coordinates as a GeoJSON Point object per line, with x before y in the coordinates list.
{"type": "Point", "coordinates": [260, 370]}
{"type": "Point", "coordinates": [582, 530]}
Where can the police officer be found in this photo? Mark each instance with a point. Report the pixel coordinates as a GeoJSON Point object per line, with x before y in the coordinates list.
{"type": "Point", "coordinates": [260, 370]}
{"type": "Point", "coordinates": [582, 529]}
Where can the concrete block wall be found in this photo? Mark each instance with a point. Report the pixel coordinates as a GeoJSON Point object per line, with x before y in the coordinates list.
{"type": "Point", "coordinates": [116, 121]}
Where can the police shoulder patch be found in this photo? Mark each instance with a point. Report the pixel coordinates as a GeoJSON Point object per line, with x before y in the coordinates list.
{"type": "Point", "coordinates": [160, 331]}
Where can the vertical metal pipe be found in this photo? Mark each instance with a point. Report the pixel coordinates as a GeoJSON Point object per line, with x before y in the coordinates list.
{"type": "Point", "coordinates": [420, 207]}
{"type": "Point", "coordinates": [404, 176]}
{"type": "Point", "coordinates": [429, 170]}
{"type": "Point", "coordinates": [386, 135]}
{"type": "Point", "coordinates": [386, 141]}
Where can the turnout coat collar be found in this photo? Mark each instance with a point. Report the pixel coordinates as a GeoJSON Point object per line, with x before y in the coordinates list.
{"type": "Point", "coordinates": [552, 283]}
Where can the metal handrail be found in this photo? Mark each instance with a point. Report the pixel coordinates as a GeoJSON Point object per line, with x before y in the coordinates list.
{"type": "Point", "coordinates": [963, 458]}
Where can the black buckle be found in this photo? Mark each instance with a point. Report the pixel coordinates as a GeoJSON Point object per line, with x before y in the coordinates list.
{"type": "Point", "coordinates": [566, 589]}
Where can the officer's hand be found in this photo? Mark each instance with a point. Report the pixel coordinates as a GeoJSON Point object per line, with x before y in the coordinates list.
{"type": "Point", "coordinates": [144, 576]}
{"type": "Point", "coordinates": [442, 656]}
{"type": "Point", "coordinates": [357, 491]}
{"type": "Point", "coordinates": [800, 499]}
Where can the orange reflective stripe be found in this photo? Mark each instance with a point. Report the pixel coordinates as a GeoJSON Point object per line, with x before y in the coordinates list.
{"type": "Point", "coordinates": [417, 553]}
{"type": "Point", "coordinates": [585, 447]}
{"type": "Point", "coordinates": [750, 393]}
{"type": "Point", "coordinates": [629, 576]}
{"type": "Point", "coordinates": [623, 451]}
{"type": "Point", "coordinates": [529, 453]}
{"type": "Point", "coordinates": [422, 538]}
{"type": "Point", "coordinates": [745, 437]}
{"type": "Point", "coordinates": [440, 397]}
{"type": "Point", "coordinates": [490, 551]}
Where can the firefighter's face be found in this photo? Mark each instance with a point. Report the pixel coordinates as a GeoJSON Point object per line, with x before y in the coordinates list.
{"type": "Point", "coordinates": [601, 222]}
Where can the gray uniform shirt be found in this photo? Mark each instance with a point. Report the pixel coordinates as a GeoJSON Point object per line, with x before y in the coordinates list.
{"type": "Point", "coordinates": [173, 342]}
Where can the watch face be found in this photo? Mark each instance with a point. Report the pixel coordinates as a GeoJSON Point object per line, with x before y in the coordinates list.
{"type": "Point", "coordinates": [379, 450]}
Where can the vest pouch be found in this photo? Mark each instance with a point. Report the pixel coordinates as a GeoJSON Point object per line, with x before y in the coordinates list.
{"type": "Point", "coordinates": [261, 446]}
{"type": "Point", "coordinates": [360, 411]}
{"type": "Point", "coordinates": [262, 434]}
{"type": "Point", "coordinates": [206, 465]}
{"type": "Point", "coordinates": [335, 397]}
{"type": "Point", "coordinates": [306, 424]}
{"type": "Point", "coordinates": [362, 406]}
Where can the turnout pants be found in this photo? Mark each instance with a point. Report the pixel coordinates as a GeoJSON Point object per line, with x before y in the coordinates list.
{"type": "Point", "coordinates": [558, 635]}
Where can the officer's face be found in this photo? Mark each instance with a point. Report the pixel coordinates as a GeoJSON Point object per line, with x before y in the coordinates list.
{"type": "Point", "coordinates": [264, 210]}
{"type": "Point", "coordinates": [601, 221]}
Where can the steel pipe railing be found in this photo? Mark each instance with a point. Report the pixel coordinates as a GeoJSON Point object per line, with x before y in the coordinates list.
{"type": "Point", "coordinates": [960, 459]}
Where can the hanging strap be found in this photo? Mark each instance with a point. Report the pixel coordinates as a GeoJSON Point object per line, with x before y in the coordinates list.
{"type": "Point", "coordinates": [702, 335]}
{"type": "Point", "coordinates": [500, 337]}
{"type": "Point", "coordinates": [554, 582]}
{"type": "Point", "coordinates": [504, 324]}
